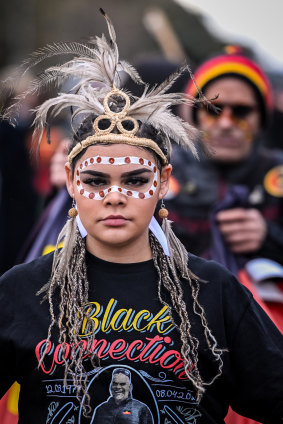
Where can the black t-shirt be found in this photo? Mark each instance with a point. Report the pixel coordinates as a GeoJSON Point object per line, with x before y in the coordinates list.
{"type": "Point", "coordinates": [134, 333]}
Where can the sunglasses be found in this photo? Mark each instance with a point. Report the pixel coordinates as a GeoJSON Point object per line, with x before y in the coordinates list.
{"type": "Point", "coordinates": [239, 111]}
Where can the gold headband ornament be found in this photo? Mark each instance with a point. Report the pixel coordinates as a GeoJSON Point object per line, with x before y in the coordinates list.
{"type": "Point", "coordinates": [96, 67]}
{"type": "Point", "coordinates": [116, 121]}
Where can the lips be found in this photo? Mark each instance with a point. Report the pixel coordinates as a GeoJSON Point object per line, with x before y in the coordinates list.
{"type": "Point", "coordinates": [118, 393]}
{"type": "Point", "coordinates": [226, 142]}
{"type": "Point", "coordinates": [115, 220]}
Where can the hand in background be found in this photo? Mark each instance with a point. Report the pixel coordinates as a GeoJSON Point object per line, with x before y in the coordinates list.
{"type": "Point", "coordinates": [244, 230]}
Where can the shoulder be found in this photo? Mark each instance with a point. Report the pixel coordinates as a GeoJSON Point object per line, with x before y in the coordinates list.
{"type": "Point", "coordinates": [33, 273]}
{"type": "Point", "coordinates": [217, 281]}
{"type": "Point", "coordinates": [225, 301]}
{"type": "Point", "coordinates": [138, 405]}
{"type": "Point", "coordinates": [105, 404]}
{"type": "Point", "coordinates": [273, 156]}
{"type": "Point", "coordinates": [19, 286]}
{"type": "Point", "coordinates": [207, 270]}
{"type": "Point", "coordinates": [108, 405]}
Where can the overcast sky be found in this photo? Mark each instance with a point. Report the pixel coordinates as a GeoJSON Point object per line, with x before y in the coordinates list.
{"type": "Point", "coordinates": [259, 23]}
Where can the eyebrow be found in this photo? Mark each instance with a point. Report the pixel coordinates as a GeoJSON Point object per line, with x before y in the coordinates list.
{"type": "Point", "coordinates": [125, 174]}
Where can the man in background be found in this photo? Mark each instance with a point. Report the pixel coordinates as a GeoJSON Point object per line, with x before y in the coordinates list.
{"type": "Point", "coordinates": [228, 206]}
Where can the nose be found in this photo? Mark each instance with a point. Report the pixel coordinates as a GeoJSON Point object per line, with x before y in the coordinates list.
{"type": "Point", "coordinates": [115, 199]}
{"type": "Point", "coordinates": [225, 118]}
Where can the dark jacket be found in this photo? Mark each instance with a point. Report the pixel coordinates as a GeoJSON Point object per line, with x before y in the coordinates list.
{"type": "Point", "coordinates": [131, 411]}
{"type": "Point", "coordinates": [199, 185]}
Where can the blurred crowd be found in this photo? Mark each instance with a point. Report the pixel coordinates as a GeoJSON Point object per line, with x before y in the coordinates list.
{"type": "Point", "coordinates": [226, 206]}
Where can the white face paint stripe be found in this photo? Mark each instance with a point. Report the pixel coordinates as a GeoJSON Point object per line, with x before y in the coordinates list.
{"type": "Point", "coordinates": [125, 160]}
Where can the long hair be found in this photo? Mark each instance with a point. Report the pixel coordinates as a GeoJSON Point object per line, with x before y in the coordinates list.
{"type": "Point", "coordinates": [69, 281]}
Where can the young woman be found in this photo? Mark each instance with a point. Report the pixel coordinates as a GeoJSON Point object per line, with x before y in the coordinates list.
{"type": "Point", "coordinates": [132, 328]}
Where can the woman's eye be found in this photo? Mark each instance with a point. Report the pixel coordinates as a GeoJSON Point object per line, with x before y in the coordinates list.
{"type": "Point", "coordinates": [136, 181]}
{"type": "Point", "coordinates": [95, 182]}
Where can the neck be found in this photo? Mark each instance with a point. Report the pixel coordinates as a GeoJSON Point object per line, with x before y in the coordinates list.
{"type": "Point", "coordinates": [118, 402]}
{"type": "Point", "coordinates": [137, 250]}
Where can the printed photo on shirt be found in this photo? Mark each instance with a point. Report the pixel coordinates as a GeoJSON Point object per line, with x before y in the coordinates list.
{"type": "Point", "coordinates": [121, 406]}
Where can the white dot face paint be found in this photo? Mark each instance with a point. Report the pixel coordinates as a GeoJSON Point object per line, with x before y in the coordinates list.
{"type": "Point", "coordinates": [92, 183]}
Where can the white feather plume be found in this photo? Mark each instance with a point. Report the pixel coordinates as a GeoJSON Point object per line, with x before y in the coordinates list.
{"type": "Point", "coordinates": [94, 69]}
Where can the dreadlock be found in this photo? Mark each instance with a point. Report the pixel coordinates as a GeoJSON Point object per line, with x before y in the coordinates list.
{"type": "Point", "coordinates": [69, 281]}
{"type": "Point", "coordinates": [69, 276]}
{"type": "Point", "coordinates": [167, 269]}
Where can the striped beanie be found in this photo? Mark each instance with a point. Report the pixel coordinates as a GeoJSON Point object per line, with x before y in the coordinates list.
{"type": "Point", "coordinates": [237, 65]}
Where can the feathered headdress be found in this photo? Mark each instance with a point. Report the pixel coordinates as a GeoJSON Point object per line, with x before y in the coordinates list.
{"type": "Point", "coordinates": [97, 91]}
{"type": "Point", "coordinates": [96, 67]}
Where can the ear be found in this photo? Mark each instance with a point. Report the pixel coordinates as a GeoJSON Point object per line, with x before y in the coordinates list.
{"type": "Point", "coordinates": [69, 179]}
{"type": "Point", "coordinates": [164, 177]}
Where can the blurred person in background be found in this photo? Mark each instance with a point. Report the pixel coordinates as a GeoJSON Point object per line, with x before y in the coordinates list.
{"type": "Point", "coordinates": [44, 234]}
{"type": "Point", "coordinates": [150, 69]}
{"type": "Point", "coordinates": [35, 181]}
{"type": "Point", "coordinates": [28, 173]}
{"type": "Point", "coordinates": [228, 206]}
{"type": "Point", "coordinates": [18, 198]}
{"type": "Point", "coordinates": [219, 180]}
{"type": "Point", "coordinates": [274, 135]}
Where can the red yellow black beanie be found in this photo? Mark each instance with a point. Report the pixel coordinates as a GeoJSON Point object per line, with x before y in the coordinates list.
{"type": "Point", "coordinates": [234, 63]}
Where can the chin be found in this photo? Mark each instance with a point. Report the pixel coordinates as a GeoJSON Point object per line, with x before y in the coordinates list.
{"type": "Point", "coordinates": [114, 240]}
{"type": "Point", "coordinates": [227, 156]}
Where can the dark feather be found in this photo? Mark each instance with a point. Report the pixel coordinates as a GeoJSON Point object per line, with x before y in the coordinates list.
{"type": "Point", "coordinates": [168, 82]}
{"type": "Point", "coordinates": [131, 71]}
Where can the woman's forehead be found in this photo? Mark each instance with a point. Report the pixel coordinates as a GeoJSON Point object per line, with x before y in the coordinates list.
{"type": "Point", "coordinates": [122, 158]}
{"type": "Point", "coordinates": [121, 162]}
{"type": "Point", "coordinates": [117, 150]}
